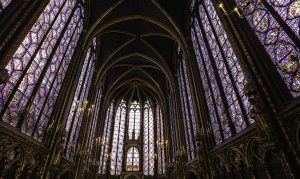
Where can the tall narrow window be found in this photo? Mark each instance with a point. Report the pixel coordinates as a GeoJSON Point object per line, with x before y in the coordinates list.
{"type": "Point", "coordinates": [149, 154]}
{"type": "Point", "coordinates": [134, 121]}
{"type": "Point", "coordinates": [161, 142]}
{"type": "Point", "coordinates": [106, 138]}
{"type": "Point", "coordinates": [95, 115]}
{"type": "Point", "coordinates": [276, 24]}
{"type": "Point", "coordinates": [38, 67]}
{"type": "Point", "coordinates": [133, 159]}
{"type": "Point", "coordinates": [79, 104]}
{"type": "Point", "coordinates": [118, 140]}
{"type": "Point", "coordinates": [222, 77]}
{"type": "Point", "coordinates": [187, 107]}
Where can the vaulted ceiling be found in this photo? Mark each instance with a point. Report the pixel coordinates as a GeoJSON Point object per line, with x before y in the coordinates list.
{"type": "Point", "coordinates": [137, 40]}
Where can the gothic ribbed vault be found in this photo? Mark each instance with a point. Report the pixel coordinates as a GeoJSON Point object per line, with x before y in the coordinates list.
{"type": "Point", "coordinates": [137, 40]}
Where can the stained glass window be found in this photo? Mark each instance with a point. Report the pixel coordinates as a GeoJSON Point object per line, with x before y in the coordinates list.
{"type": "Point", "coordinates": [80, 104]}
{"type": "Point", "coordinates": [222, 77]}
{"type": "Point", "coordinates": [95, 115]}
{"type": "Point", "coordinates": [276, 24]}
{"type": "Point", "coordinates": [4, 4]}
{"type": "Point", "coordinates": [133, 158]}
{"type": "Point", "coordinates": [118, 140]}
{"type": "Point", "coordinates": [105, 140]}
{"type": "Point", "coordinates": [189, 121]}
{"type": "Point", "coordinates": [38, 67]}
{"type": "Point", "coordinates": [134, 121]}
{"type": "Point", "coordinates": [161, 141]}
{"type": "Point", "coordinates": [149, 154]}
{"type": "Point", "coordinates": [150, 147]}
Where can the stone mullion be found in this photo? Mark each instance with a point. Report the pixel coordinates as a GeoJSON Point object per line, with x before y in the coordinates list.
{"type": "Point", "coordinates": [155, 139]}
{"type": "Point", "coordinates": [44, 71]}
{"type": "Point", "coordinates": [264, 72]}
{"type": "Point", "coordinates": [246, 42]}
{"type": "Point", "coordinates": [18, 21]}
{"type": "Point", "coordinates": [242, 107]}
{"type": "Point", "coordinates": [100, 133]}
{"type": "Point", "coordinates": [264, 77]}
{"type": "Point", "coordinates": [117, 157]}
{"type": "Point", "coordinates": [60, 110]}
{"type": "Point", "coordinates": [16, 86]}
{"type": "Point", "coordinates": [107, 171]}
{"type": "Point", "coordinates": [87, 121]}
{"type": "Point", "coordinates": [91, 135]}
{"type": "Point", "coordinates": [160, 136]}
{"type": "Point", "coordinates": [189, 122]}
{"type": "Point", "coordinates": [172, 150]}
{"type": "Point", "coordinates": [142, 135]}
{"type": "Point", "coordinates": [198, 103]}
{"type": "Point", "coordinates": [126, 136]}
{"type": "Point", "coordinates": [199, 93]}
{"type": "Point", "coordinates": [177, 111]}
{"type": "Point", "coordinates": [102, 136]}
{"type": "Point", "coordinates": [219, 83]}
{"type": "Point", "coordinates": [79, 104]}
{"type": "Point", "coordinates": [166, 140]}
{"type": "Point", "coordinates": [210, 88]}
{"type": "Point", "coordinates": [169, 147]}
{"type": "Point", "coordinates": [168, 131]}
{"type": "Point", "coordinates": [86, 91]}
{"type": "Point", "coordinates": [52, 84]}
{"type": "Point", "coordinates": [184, 103]}
{"type": "Point", "coordinates": [282, 23]}
{"type": "Point", "coordinates": [181, 125]}
{"type": "Point", "coordinates": [202, 104]}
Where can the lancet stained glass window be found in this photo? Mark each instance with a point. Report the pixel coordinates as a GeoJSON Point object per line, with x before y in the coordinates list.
{"type": "Point", "coordinates": [118, 140]}
{"type": "Point", "coordinates": [189, 121]}
{"type": "Point", "coordinates": [107, 132]}
{"type": "Point", "coordinates": [149, 154]}
{"type": "Point", "coordinates": [38, 67]}
{"type": "Point", "coordinates": [134, 121]}
{"type": "Point", "coordinates": [222, 77]}
{"type": "Point", "coordinates": [79, 104]}
{"type": "Point", "coordinates": [94, 116]}
{"type": "Point", "coordinates": [151, 145]}
{"type": "Point", "coordinates": [280, 35]}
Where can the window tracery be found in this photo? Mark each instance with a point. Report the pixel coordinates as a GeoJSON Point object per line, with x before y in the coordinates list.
{"type": "Point", "coordinates": [105, 140]}
{"type": "Point", "coordinates": [276, 24]}
{"type": "Point", "coordinates": [187, 107]}
{"type": "Point", "coordinates": [149, 153]}
{"type": "Point", "coordinates": [80, 104]}
{"type": "Point", "coordinates": [38, 67]}
{"type": "Point", "coordinates": [118, 139]}
{"type": "Point", "coordinates": [222, 76]}
{"type": "Point", "coordinates": [142, 120]}
{"type": "Point", "coordinates": [134, 121]}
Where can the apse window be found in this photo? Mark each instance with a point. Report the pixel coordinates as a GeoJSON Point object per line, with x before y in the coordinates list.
{"type": "Point", "coordinates": [132, 163]}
